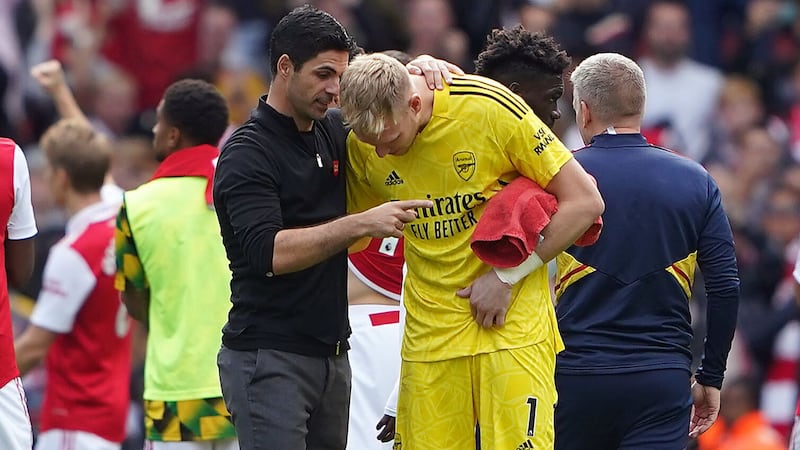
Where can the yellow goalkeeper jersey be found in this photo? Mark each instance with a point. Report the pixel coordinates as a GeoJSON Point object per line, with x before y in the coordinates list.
{"type": "Point", "coordinates": [480, 137]}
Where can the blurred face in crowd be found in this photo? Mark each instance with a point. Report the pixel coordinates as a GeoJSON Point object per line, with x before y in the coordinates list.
{"type": "Point", "coordinates": [541, 94]}
{"type": "Point", "coordinates": [781, 220]}
{"type": "Point", "coordinates": [740, 105]}
{"type": "Point", "coordinates": [759, 154]}
{"type": "Point", "coordinates": [429, 18]}
{"type": "Point", "coordinates": [315, 86]}
{"type": "Point", "coordinates": [114, 102]}
{"type": "Point", "coordinates": [132, 162]}
{"type": "Point", "coordinates": [536, 18]}
{"type": "Point", "coordinates": [667, 32]}
{"type": "Point", "coordinates": [736, 401]}
{"type": "Point", "coordinates": [791, 177]}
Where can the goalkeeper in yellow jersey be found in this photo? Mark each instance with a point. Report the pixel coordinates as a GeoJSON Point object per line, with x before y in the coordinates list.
{"type": "Point", "coordinates": [479, 343]}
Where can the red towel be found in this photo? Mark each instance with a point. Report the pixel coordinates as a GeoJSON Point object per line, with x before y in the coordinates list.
{"type": "Point", "coordinates": [508, 231]}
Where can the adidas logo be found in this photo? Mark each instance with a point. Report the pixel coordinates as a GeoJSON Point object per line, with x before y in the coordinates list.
{"type": "Point", "coordinates": [526, 444]}
{"type": "Point", "coordinates": [393, 179]}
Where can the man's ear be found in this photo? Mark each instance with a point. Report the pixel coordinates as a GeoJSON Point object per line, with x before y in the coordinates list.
{"type": "Point", "coordinates": [514, 87]}
{"type": "Point", "coordinates": [62, 179]}
{"type": "Point", "coordinates": [415, 103]}
{"type": "Point", "coordinates": [285, 65]}
{"type": "Point", "coordinates": [586, 114]}
{"type": "Point", "coordinates": [173, 138]}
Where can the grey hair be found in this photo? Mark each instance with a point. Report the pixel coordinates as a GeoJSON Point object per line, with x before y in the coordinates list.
{"type": "Point", "coordinates": [612, 85]}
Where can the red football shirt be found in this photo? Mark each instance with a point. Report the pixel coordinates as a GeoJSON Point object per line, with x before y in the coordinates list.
{"type": "Point", "coordinates": [380, 266]}
{"type": "Point", "coordinates": [88, 365]}
{"type": "Point", "coordinates": [16, 213]}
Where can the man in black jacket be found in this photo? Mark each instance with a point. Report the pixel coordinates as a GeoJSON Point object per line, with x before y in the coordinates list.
{"type": "Point", "coordinates": [280, 198]}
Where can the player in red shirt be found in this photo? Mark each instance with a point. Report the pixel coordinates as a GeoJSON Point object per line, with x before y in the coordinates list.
{"type": "Point", "coordinates": [16, 266]}
{"type": "Point", "coordinates": [373, 293]}
{"type": "Point", "coordinates": [79, 325]}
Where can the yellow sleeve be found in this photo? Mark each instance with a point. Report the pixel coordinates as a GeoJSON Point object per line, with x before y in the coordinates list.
{"type": "Point", "coordinates": [535, 151]}
{"type": "Point", "coordinates": [360, 196]}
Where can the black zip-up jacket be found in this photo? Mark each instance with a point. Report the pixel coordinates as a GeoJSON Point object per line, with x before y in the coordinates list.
{"type": "Point", "coordinates": [271, 177]}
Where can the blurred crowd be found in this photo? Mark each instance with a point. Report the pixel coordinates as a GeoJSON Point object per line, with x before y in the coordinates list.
{"type": "Point", "coordinates": [723, 88]}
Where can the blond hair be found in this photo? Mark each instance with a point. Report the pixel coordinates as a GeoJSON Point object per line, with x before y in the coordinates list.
{"type": "Point", "coordinates": [611, 85]}
{"type": "Point", "coordinates": [84, 154]}
{"type": "Point", "coordinates": [372, 90]}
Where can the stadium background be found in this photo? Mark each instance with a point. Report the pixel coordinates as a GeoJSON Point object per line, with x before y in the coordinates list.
{"type": "Point", "coordinates": [736, 110]}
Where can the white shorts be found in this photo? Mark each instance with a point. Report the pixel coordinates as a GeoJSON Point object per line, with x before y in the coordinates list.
{"type": "Point", "coordinates": [15, 423]}
{"type": "Point", "coordinates": [73, 440]}
{"type": "Point", "coordinates": [222, 444]}
{"type": "Point", "coordinates": [375, 364]}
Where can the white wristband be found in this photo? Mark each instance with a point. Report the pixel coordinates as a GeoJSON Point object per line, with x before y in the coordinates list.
{"type": "Point", "coordinates": [391, 403]}
{"type": "Point", "coordinates": [512, 275]}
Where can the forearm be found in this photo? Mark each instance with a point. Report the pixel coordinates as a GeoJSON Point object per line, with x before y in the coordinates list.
{"type": "Point", "coordinates": [721, 325]}
{"type": "Point", "coordinates": [300, 248]}
{"type": "Point", "coordinates": [19, 261]}
{"type": "Point", "coordinates": [66, 105]}
{"type": "Point", "coordinates": [137, 303]}
{"type": "Point", "coordinates": [29, 355]}
{"type": "Point", "coordinates": [579, 204]}
{"type": "Point", "coordinates": [567, 225]}
{"type": "Point", "coordinates": [717, 261]}
{"type": "Point", "coordinates": [555, 240]}
{"type": "Point", "coordinates": [390, 409]}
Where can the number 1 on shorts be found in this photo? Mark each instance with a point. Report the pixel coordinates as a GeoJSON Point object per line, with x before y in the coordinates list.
{"type": "Point", "coordinates": [531, 415]}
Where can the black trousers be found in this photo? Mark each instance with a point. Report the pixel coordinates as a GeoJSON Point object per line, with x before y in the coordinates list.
{"type": "Point", "coordinates": [281, 400]}
{"type": "Point", "coordinates": [631, 411]}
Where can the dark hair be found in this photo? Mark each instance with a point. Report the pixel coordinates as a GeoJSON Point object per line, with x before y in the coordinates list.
{"type": "Point", "coordinates": [304, 33]}
{"type": "Point", "coordinates": [513, 51]}
{"type": "Point", "coordinates": [197, 109]}
{"type": "Point", "coordinates": [399, 55]}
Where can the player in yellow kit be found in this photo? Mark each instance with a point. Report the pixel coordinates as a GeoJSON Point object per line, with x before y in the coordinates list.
{"type": "Point", "coordinates": [486, 354]}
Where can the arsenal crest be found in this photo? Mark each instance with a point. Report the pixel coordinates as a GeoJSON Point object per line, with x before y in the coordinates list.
{"type": "Point", "coordinates": [464, 163]}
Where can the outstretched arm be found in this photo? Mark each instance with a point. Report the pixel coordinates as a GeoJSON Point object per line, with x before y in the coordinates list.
{"type": "Point", "coordinates": [298, 248]}
{"type": "Point", "coordinates": [50, 76]}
